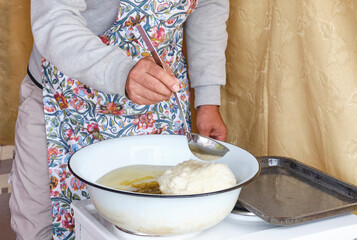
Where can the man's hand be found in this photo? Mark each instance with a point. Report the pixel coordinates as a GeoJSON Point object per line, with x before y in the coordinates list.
{"type": "Point", "coordinates": [210, 123]}
{"type": "Point", "coordinates": [147, 83]}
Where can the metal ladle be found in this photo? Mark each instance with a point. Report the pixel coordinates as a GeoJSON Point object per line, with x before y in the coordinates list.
{"type": "Point", "coordinates": [202, 147]}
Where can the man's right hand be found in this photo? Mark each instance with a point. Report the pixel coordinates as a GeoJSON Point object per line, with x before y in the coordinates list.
{"type": "Point", "coordinates": [148, 83]}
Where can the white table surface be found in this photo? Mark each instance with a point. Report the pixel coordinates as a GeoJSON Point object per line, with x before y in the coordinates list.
{"type": "Point", "coordinates": [91, 226]}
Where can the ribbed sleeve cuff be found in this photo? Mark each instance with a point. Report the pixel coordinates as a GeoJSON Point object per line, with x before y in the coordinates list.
{"type": "Point", "coordinates": [207, 95]}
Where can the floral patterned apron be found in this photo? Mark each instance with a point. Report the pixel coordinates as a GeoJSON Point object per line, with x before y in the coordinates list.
{"type": "Point", "coordinates": [77, 115]}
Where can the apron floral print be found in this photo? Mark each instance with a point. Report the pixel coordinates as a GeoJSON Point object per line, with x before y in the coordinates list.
{"type": "Point", "coordinates": [77, 115]}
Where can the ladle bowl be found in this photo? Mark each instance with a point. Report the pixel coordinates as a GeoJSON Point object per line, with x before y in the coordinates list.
{"type": "Point", "coordinates": [205, 148]}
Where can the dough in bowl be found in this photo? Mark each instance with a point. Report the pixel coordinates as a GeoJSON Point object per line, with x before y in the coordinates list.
{"type": "Point", "coordinates": [194, 177]}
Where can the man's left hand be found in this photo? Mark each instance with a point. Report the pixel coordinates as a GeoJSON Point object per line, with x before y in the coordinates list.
{"type": "Point", "coordinates": [210, 123]}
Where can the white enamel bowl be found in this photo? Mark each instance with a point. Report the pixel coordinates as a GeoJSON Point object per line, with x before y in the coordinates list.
{"type": "Point", "coordinates": [160, 215]}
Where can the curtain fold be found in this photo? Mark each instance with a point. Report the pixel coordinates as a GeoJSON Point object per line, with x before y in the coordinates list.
{"type": "Point", "coordinates": [15, 49]}
{"type": "Point", "coordinates": [292, 81]}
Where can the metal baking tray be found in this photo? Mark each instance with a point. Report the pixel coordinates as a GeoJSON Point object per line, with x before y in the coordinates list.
{"type": "Point", "coordinates": [288, 192]}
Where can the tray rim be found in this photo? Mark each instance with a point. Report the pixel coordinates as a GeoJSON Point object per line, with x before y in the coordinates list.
{"type": "Point", "coordinates": [286, 221]}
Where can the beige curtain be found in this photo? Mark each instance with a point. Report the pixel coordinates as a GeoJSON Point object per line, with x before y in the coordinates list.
{"type": "Point", "coordinates": [292, 81]}
{"type": "Point", "coordinates": [15, 48]}
{"type": "Point", "coordinates": [292, 78]}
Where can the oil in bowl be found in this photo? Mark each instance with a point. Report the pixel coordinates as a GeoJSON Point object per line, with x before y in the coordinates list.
{"type": "Point", "coordinates": [134, 178]}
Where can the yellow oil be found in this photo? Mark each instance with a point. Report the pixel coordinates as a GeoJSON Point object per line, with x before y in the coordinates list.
{"type": "Point", "coordinates": [130, 178]}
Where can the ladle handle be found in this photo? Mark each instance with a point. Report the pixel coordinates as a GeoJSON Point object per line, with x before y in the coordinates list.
{"type": "Point", "coordinates": [158, 60]}
{"type": "Point", "coordinates": [188, 133]}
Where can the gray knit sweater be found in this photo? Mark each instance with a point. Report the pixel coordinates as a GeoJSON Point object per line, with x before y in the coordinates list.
{"type": "Point", "coordinates": [65, 32]}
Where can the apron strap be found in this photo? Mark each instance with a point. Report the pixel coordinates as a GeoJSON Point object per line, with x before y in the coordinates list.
{"type": "Point", "coordinates": [33, 79]}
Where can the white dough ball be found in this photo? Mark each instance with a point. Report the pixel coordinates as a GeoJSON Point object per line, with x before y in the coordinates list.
{"type": "Point", "coordinates": [193, 177]}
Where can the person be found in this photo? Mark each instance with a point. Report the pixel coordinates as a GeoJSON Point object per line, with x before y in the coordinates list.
{"type": "Point", "coordinates": [82, 88]}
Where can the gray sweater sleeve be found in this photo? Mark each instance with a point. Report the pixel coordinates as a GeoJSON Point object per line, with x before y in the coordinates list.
{"type": "Point", "coordinates": [206, 40]}
{"type": "Point", "coordinates": [61, 36]}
